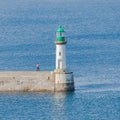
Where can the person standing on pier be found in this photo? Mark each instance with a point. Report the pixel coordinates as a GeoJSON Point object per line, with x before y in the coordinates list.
{"type": "Point", "coordinates": [37, 67]}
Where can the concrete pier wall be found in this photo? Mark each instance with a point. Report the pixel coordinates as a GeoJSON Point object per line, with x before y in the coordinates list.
{"type": "Point", "coordinates": [26, 81]}
{"type": "Point", "coordinates": [64, 81]}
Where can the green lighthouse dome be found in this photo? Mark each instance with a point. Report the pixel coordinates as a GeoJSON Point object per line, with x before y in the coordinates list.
{"type": "Point", "coordinates": [60, 29]}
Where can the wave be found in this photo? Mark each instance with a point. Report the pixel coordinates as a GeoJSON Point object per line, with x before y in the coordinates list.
{"type": "Point", "coordinates": [97, 87]}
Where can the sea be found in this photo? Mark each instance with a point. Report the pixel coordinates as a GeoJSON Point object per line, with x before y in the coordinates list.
{"type": "Point", "coordinates": [92, 29]}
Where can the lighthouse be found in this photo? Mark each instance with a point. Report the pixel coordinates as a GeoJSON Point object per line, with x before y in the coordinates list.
{"type": "Point", "coordinates": [60, 50]}
{"type": "Point", "coordinates": [64, 80]}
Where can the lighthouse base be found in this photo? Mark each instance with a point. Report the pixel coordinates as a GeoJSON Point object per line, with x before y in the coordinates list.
{"type": "Point", "coordinates": [64, 81]}
{"type": "Point", "coordinates": [64, 87]}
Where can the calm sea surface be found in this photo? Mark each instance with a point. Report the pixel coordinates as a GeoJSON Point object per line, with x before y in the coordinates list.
{"type": "Point", "coordinates": [27, 34]}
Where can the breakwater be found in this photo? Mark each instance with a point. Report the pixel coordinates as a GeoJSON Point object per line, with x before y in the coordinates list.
{"type": "Point", "coordinates": [26, 81]}
{"type": "Point", "coordinates": [36, 81]}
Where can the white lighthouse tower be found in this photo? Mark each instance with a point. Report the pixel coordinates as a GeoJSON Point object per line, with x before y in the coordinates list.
{"type": "Point", "coordinates": [60, 50]}
{"type": "Point", "coordinates": [63, 78]}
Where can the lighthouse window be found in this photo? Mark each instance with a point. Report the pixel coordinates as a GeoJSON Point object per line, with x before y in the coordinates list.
{"type": "Point", "coordinates": [59, 53]}
{"type": "Point", "coordinates": [60, 34]}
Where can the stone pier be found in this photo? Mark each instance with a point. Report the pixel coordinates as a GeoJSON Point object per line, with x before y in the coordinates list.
{"type": "Point", "coordinates": [33, 81]}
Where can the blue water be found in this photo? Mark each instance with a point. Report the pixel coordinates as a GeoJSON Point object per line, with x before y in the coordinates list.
{"type": "Point", "coordinates": [27, 34]}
